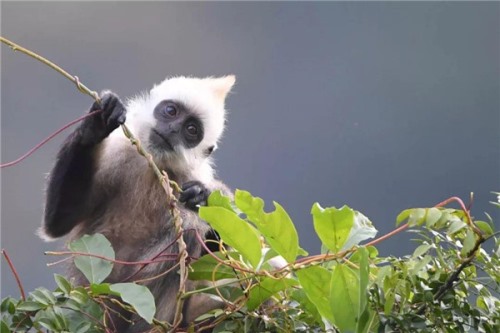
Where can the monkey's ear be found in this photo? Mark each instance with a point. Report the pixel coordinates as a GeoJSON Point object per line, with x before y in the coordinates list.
{"type": "Point", "coordinates": [222, 85]}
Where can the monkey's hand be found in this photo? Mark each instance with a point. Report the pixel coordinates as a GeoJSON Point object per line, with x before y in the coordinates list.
{"type": "Point", "coordinates": [97, 127]}
{"type": "Point", "coordinates": [194, 194]}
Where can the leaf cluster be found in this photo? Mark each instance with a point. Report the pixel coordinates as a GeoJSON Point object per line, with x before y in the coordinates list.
{"type": "Point", "coordinates": [268, 283]}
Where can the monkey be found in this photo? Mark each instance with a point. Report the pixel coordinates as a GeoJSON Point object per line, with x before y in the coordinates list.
{"type": "Point", "coordinates": [100, 184]}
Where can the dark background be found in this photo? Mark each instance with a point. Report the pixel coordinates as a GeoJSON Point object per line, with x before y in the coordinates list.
{"type": "Point", "coordinates": [381, 106]}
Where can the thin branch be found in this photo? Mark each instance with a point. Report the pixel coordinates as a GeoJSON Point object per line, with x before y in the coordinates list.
{"type": "Point", "coordinates": [388, 235]}
{"type": "Point", "coordinates": [476, 230]}
{"type": "Point", "coordinates": [143, 262]}
{"type": "Point", "coordinates": [151, 278]}
{"type": "Point", "coordinates": [156, 256]}
{"type": "Point", "coordinates": [14, 272]}
{"type": "Point", "coordinates": [454, 276]}
{"type": "Point", "coordinates": [44, 141]}
{"type": "Point", "coordinates": [74, 79]}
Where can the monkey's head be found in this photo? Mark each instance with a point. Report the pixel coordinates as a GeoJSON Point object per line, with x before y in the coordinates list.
{"type": "Point", "coordinates": [181, 119]}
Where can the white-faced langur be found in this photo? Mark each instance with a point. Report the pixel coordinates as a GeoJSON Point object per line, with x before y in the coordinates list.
{"type": "Point", "coordinates": [100, 184]}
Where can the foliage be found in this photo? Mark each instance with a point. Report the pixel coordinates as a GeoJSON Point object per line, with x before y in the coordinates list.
{"type": "Point", "coordinates": [268, 283]}
{"type": "Point", "coordinates": [72, 308]}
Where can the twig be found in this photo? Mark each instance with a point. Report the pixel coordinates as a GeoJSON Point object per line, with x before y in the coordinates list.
{"type": "Point", "coordinates": [14, 272]}
{"type": "Point", "coordinates": [151, 278]}
{"type": "Point", "coordinates": [143, 262]}
{"type": "Point", "coordinates": [454, 277]}
{"type": "Point", "coordinates": [156, 256]}
{"type": "Point", "coordinates": [328, 256]}
{"type": "Point", "coordinates": [476, 230]}
{"type": "Point", "coordinates": [44, 141]}
{"type": "Point", "coordinates": [74, 79]}
{"type": "Point", "coordinates": [388, 235]}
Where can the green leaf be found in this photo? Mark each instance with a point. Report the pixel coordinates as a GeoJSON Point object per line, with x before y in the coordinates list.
{"type": "Point", "coordinates": [485, 228]}
{"type": "Point", "coordinates": [280, 233]}
{"type": "Point", "coordinates": [366, 321]}
{"type": "Point", "coordinates": [405, 214]}
{"type": "Point", "coordinates": [364, 313]}
{"type": "Point", "coordinates": [102, 289]}
{"type": "Point", "coordinates": [345, 298]}
{"type": "Point", "coordinates": [94, 269]}
{"type": "Point", "coordinates": [30, 306]}
{"type": "Point", "coordinates": [139, 297]}
{"type": "Point", "coordinates": [433, 215]}
{"type": "Point", "coordinates": [382, 273]}
{"type": "Point", "coordinates": [469, 242]}
{"type": "Point", "coordinates": [276, 227]}
{"type": "Point", "coordinates": [333, 225]}
{"type": "Point", "coordinates": [8, 305]}
{"type": "Point", "coordinates": [253, 207]}
{"type": "Point", "coordinates": [300, 296]}
{"type": "Point", "coordinates": [315, 281]}
{"type": "Point", "coordinates": [364, 271]}
{"type": "Point", "coordinates": [83, 327]}
{"type": "Point", "coordinates": [43, 296]}
{"type": "Point", "coordinates": [4, 327]}
{"type": "Point", "coordinates": [265, 289]}
{"type": "Point", "coordinates": [422, 249]}
{"type": "Point", "coordinates": [203, 269]}
{"type": "Point", "coordinates": [63, 284]}
{"type": "Point", "coordinates": [372, 252]}
{"type": "Point", "coordinates": [49, 324]}
{"type": "Point", "coordinates": [77, 322]}
{"type": "Point", "coordinates": [416, 217]}
{"type": "Point", "coordinates": [390, 299]}
{"type": "Point", "coordinates": [456, 226]}
{"type": "Point", "coordinates": [217, 199]}
{"type": "Point", "coordinates": [79, 295]}
{"type": "Point", "coordinates": [361, 230]}
{"type": "Point", "coordinates": [420, 264]}
{"type": "Point", "coordinates": [235, 232]}
{"type": "Point", "coordinates": [60, 319]}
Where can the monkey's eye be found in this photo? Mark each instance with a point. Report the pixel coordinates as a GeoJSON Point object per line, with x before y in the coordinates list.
{"type": "Point", "coordinates": [170, 110]}
{"type": "Point", "coordinates": [192, 130]}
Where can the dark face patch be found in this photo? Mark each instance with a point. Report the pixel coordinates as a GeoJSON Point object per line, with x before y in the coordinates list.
{"type": "Point", "coordinates": [176, 126]}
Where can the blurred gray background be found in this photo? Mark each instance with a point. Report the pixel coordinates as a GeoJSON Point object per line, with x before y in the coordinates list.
{"type": "Point", "coordinates": [381, 106]}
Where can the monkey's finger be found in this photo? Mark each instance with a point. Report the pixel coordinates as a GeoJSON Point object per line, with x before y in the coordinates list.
{"type": "Point", "coordinates": [190, 192]}
{"type": "Point", "coordinates": [191, 183]}
{"type": "Point", "coordinates": [108, 100]}
{"type": "Point", "coordinates": [117, 116]}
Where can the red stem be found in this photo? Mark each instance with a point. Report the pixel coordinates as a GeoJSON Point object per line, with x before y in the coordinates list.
{"type": "Point", "coordinates": [390, 234]}
{"type": "Point", "coordinates": [39, 145]}
{"type": "Point", "coordinates": [160, 254]}
{"type": "Point", "coordinates": [144, 262]}
{"type": "Point", "coordinates": [16, 276]}
{"type": "Point", "coordinates": [466, 211]}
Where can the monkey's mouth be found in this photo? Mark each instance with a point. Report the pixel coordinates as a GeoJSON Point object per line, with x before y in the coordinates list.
{"type": "Point", "coordinates": [164, 140]}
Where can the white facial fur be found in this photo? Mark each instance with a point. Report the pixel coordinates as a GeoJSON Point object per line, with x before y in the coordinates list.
{"type": "Point", "coordinates": [205, 97]}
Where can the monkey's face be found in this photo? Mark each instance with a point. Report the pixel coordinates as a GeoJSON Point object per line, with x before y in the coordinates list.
{"type": "Point", "coordinates": [176, 127]}
{"type": "Point", "coordinates": [181, 120]}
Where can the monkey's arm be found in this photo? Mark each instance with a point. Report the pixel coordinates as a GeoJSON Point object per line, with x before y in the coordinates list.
{"type": "Point", "coordinates": [70, 180]}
